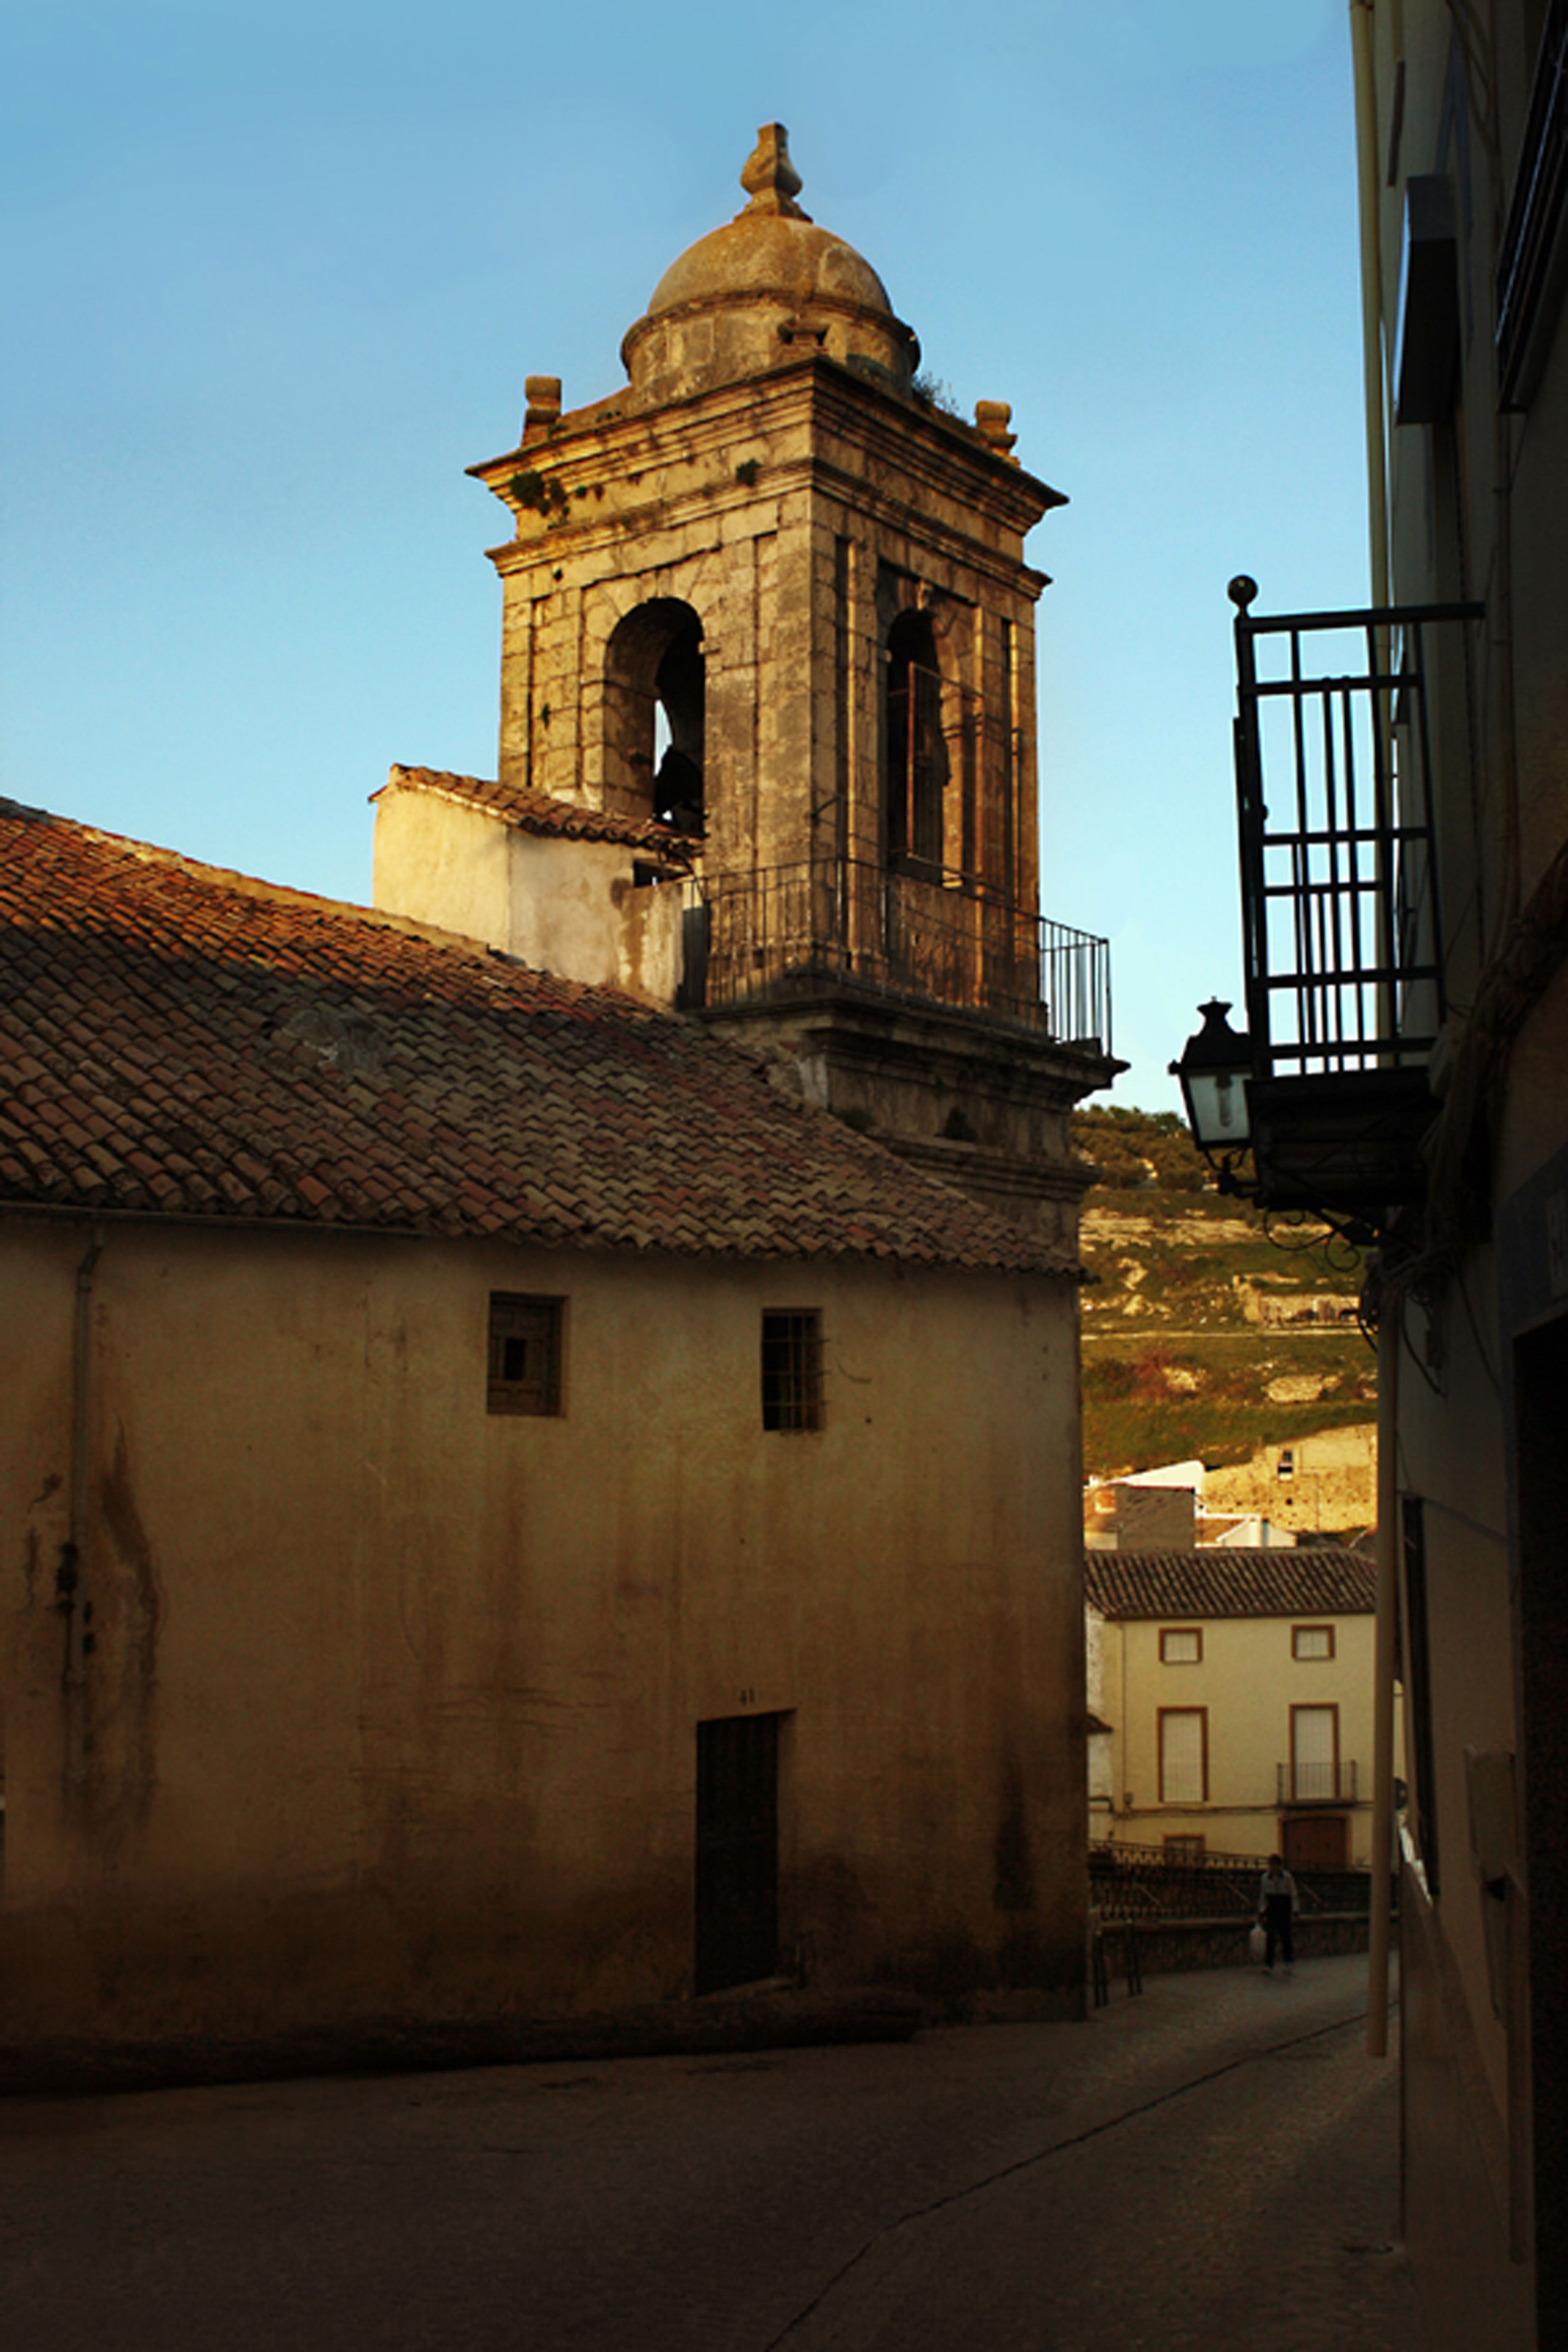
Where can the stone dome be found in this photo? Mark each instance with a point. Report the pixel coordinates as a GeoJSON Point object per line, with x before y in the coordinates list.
{"type": "Point", "coordinates": [767, 286]}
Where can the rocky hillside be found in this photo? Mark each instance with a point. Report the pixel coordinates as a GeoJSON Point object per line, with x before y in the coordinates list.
{"type": "Point", "coordinates": [1209, 1331]}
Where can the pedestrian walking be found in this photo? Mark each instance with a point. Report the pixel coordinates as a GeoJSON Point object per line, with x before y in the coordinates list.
{"type": "Point", "coordinates": [1277, 1912]}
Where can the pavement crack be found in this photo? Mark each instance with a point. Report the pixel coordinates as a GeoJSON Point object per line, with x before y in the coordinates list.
{"type": "Point", "coordinates": [1043, 2155]}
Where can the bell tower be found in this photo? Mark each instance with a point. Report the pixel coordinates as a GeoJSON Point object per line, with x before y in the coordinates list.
{"type": "Point", "coordinates": [770, 602]}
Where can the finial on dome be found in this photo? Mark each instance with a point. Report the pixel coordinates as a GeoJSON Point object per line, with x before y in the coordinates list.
{"type": "Point", "coordinates": [769, 178]}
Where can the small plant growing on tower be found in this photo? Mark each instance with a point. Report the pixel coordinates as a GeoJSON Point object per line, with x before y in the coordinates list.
{"type": "Point", "coordinates": [931, 392]}
{"type": "Point", "coordinates": [539, 493]}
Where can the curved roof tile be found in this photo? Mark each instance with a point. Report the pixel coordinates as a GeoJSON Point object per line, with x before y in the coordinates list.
{"type": "Point", "coordinates": [540, 813]}
{"type": "Point", "coordinates": [1225, 1580]}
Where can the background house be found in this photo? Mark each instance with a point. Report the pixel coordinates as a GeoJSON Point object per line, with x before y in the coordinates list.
{"type": "Point", "coordinates": [1275, 1497]}
{"type": "Point", "coordinates": [1151, 1510]}
{"type": "Point", "coordinates": [1323, 1478]}
{"type": "Point", "coordinates": [1235, 1690]}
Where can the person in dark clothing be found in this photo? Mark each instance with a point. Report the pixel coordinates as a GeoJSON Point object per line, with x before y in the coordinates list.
{"type": "Point", "coordinates": [1277, 1912]}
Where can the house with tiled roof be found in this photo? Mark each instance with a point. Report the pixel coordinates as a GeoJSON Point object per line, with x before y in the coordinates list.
{"type": "Point", "coordinates": [541, 1468]}
{"type": "Point", "coordinates": [455, 1416]}
{"type": "Point", "coordinates": [1232, 1693]}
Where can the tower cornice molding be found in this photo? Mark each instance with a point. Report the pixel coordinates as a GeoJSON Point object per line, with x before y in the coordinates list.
{"type": "Point", "coordinates": [770, 428]}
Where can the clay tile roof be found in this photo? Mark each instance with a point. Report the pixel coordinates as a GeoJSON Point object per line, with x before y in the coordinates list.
{"type": "Point", "coordinates": [178, 1040]}
{"type": "Point", "coordinates": [537, 813]}
{"type": "Point", "coordinates": [1316, 1580]}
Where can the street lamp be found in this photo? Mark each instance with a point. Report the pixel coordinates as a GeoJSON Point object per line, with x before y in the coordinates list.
{"type": "Point", "coordinates": [1215, 1068]}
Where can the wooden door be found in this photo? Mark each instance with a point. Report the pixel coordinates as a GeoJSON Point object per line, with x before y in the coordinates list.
{"type": "Point", "coordinates": [737, 1851]}
{"type": "Point", "coordinates": [1315, 1842]}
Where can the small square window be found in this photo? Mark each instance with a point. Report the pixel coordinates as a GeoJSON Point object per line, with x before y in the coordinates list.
{"type": "Point", "coordinates": [793, 1369]}
{"type": "Point", "coordinates": [525, 1354]}
{"type": "Point", "coordinates": [1312, 1641]}
{"type": "Point", "coordinates": [1181, 1645]}
{"type": "Point", "coordinates": [1285, 1467]}
{"type": "Point", "coordinates": [1185, 1849]}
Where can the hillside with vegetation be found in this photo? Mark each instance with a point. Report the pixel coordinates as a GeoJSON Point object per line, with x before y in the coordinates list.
{"type": "Point", "coordinates": [1209, 1331]}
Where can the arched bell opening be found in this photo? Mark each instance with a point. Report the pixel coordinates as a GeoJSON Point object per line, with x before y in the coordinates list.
{"type": "Point", "coordinates": [914, 754]}
{"type": "Point", "coordinates": [654, 715]}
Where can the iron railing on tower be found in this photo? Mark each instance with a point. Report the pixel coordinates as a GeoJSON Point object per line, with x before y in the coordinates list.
{"type": "Point", "coordinates": [936, 936]}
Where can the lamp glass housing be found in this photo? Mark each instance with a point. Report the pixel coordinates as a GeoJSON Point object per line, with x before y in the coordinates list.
{"type": "Point", "coordinates": [1216, 1109]}
{"type": "Point", "coordinates": [1214, 1067]}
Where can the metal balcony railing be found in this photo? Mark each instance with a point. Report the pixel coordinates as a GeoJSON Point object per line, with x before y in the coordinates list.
{"type": "Point", "coordinates": [1316, 1784]}
{"type": "Point", "coordinates": [1341, 930]}
{"type": "Point", "coordinates": [920, 931]}
{"type": "Point", "coordinates": [1338, 878]}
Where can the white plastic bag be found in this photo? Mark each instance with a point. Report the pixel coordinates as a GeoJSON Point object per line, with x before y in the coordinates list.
{"type": "Point", "coordinates": [1256, 1943]}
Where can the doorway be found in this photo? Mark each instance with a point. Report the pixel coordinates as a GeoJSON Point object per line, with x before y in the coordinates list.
{"type": "Point", "coordinates": [737, 1851]}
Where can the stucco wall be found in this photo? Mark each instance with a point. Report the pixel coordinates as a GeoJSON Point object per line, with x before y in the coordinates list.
{"type": "Point", "coordinates": [567, 907]}
{"type": "Point", "coordinates": [392, 1702]}
{"type": "Point", "coordinates": [437, 862]}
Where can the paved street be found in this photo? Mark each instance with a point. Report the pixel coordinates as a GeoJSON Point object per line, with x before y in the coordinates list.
{"type": "Point", "coordinates": [1213, 2165]}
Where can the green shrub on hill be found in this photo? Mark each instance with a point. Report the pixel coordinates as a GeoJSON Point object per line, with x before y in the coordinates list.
{"type": "Point", "coordinates": [1139, 1150]}
{"type": "Point", "coordinates": [1208, 1329]}
{"type": "Point", "coordinates": [1147, 1399]}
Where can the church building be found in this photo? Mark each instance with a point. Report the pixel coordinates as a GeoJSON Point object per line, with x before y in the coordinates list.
{"type": "Point", "coordinates": [771, 599]}
{"type": "Point", "coordinates": [540, 1468]}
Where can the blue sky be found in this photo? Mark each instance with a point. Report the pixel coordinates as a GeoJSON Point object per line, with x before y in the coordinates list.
{"type": "Point", "coordinates": [278, 272]}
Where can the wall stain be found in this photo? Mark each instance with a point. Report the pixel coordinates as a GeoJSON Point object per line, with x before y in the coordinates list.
{"type": "Point", "coordinates": [122, 1761]}
{"type": "Point", "coordinates": [32, 1561]}
{"type": "Point", "coordinates": [32, 1549]}
{"type": "Point", "coordinates": [1014, 1884]}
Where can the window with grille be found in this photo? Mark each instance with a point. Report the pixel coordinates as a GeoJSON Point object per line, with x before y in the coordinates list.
{"type": "Point", "coordinates": [1185, 1849]}
{"type": "Point", "coordinates": [1184, 1755]}
{"type": "Point", "coordinates": [1181, 1645]}
{"type": "Point", "coordinates": [793, 1369]}
{"type": "Point", "coordinates": [525, 1354]}
{"type": "Point", "coordinates": [1312, 1641]}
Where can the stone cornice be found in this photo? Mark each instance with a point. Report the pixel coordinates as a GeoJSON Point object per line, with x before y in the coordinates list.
{"type": "Point", "coordinates": [863, 1023]}
{"type": "Point", "coordinates": [809, 396]}
{"type": "Point", "coordinates": [809, 476]}
{"type": "Point", "coordinates": [797, 403]}
{"type": "Point", "coordinates": [969, 1164]}
{"type": "Point", "coordinates": [953, 454]}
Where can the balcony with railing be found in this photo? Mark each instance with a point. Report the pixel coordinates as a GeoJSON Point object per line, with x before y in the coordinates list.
{"type": "Point", "coordinates": [1341, 929]}
{"type": "Point", "coordinates": [919, 932]}
{"type": "Point", "coordinates": [1316, 1784]}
